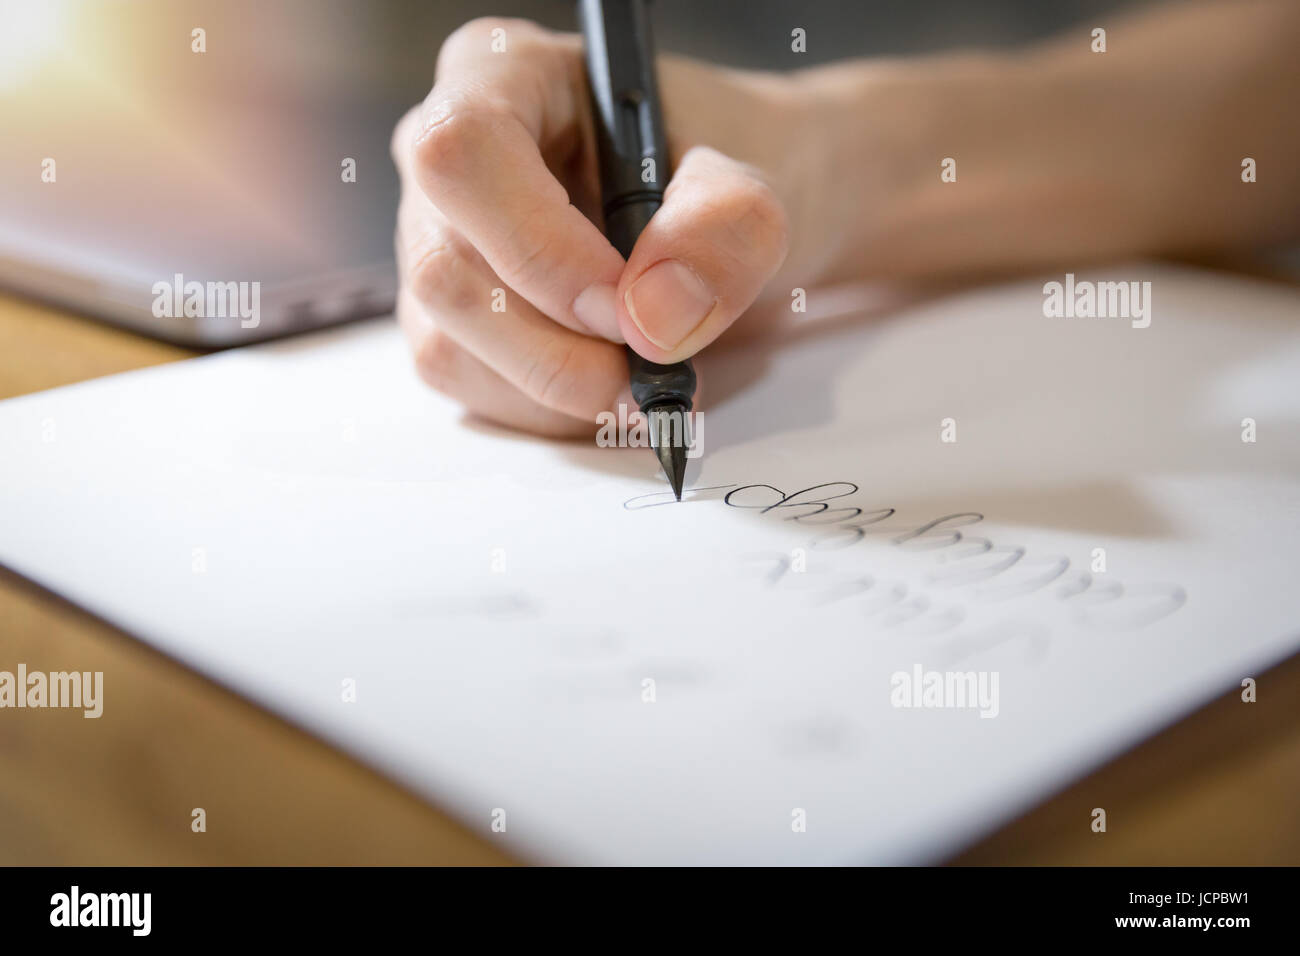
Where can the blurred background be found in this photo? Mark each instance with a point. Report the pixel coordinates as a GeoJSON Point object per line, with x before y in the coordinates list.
{"type": "Point", "coordinates": [228, 163]}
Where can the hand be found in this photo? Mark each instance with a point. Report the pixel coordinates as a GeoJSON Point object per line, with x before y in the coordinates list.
{"type": "Point", "coordinates": [500, 190]}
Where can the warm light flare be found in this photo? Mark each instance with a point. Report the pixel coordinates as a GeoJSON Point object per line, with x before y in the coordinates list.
{"type": "Point", "coordinates": [30, 33]}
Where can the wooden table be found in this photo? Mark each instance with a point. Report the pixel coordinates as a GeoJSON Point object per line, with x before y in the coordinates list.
{"type": "Point", "coordinates": [1221, 787]}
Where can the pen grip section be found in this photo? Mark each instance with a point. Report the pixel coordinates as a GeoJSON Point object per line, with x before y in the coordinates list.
{"type": "Point", "coordinates": [654, 384]}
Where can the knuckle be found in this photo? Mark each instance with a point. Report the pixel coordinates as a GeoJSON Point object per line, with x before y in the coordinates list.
{"type": "Point", "coordinates": [440, 278]}
{"type": "Point", "coordinates": [758, 221]}
{"type": "Point", "coordinates": [435, 360]}
{"type": "Point", "coordinates": [551, 378]}
{"type": "Point", "coordinates": [397, 145]}
{"type": "Point", "coordinates": [736, 201]}
{"type": "Point", "coordinates": [529, 259]}
{"type": "Point", "coordinates": [474, 35]}
{"type": "Point", "coordinates": [701, 154]}
{"type": "Point", "coordinates": [456, 129]}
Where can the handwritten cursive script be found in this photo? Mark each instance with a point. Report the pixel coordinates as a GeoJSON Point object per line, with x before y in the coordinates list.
{"type": "Point", "coordinates": [965, 564]}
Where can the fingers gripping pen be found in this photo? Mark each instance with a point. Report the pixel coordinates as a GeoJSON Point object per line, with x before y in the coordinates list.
{"type": "Point", "coordinates": [634, 168]}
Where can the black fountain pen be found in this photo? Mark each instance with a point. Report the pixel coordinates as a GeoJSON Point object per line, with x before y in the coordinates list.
{"type": "Point", "coordinates": [633, 155]}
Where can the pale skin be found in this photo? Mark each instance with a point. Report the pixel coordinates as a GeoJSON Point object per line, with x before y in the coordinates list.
{"type": "Point", "coordinates": [1064, 156]}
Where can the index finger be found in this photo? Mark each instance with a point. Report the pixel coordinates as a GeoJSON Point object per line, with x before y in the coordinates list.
{"type": "Point", "coordinates": [477, 155]}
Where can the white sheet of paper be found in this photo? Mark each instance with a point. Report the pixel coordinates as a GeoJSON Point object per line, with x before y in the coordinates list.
{"type": "Point", "coordinates": [288, 517]}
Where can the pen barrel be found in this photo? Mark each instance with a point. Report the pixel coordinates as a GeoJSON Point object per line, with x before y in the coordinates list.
{"type": "Point", "coordinates": [625, 220]}
{"type": "Point", "coordinates": [630, 143]}
{"type": "Point", "coordinates": [632, 152]}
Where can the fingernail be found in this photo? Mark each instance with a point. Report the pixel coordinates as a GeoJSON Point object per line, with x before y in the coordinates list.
{"type": "Point", "coordinates": [668, 303]}
{"type": "Point", "coordinates": [594, 308]}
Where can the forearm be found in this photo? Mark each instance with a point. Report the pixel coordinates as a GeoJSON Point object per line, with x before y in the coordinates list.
{"type": "Point", "coordinates": [1062, 154]}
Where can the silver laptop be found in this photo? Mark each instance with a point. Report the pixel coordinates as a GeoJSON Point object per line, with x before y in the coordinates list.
{"type": "Point", "coordinates": [209, 188]}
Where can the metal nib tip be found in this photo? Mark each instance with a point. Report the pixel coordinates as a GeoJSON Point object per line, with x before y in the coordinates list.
{"type": "Point", "coordinates": [669, 438]}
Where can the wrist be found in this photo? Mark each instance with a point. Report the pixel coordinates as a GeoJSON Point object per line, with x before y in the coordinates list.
{"type": "Point", "coordinates": [888, 129]}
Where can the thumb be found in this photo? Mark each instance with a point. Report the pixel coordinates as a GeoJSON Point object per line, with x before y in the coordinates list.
{"type": "Point", "coordinates": [703, 257]}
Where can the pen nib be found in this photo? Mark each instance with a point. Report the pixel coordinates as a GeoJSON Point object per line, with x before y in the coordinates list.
{"type": "Point", "coordinates": [668, 436]}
